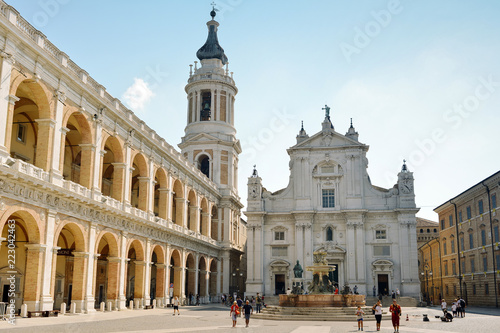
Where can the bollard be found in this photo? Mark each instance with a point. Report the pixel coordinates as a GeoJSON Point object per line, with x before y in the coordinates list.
{"type": "Point", "coordinates": [72, 308]}
{"type": "Point", "coordinates": [63, 308]}
{"type": "Point", "coordinates": [24, 310]}
{"type": "Point", "coordinates": [154, 303]}
{"type": "Point", "coordinates": [407, 319]}
{"type": "Point", "coordinates": [137, 304]}
{"type": "Point", "coordinates": [110, 306]}
{"type": "Point", "coordinates": [101, 307]}
{"type": "Point", "coordinates": [131, 305]}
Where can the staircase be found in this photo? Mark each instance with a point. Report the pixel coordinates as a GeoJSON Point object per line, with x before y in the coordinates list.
{"type": "Point", "coordinates": [314, 314]}
{"type": "Point", "coordinates": [387, 301]}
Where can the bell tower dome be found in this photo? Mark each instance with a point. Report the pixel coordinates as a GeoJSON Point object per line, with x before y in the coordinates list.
{"type": "Point", "coordinates": [210, 136]}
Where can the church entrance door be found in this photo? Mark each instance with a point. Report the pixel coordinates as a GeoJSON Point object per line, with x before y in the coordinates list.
{"type": "Point", "coordinates": [383, 284]}
{"type": "Point", "coordinates": [279, 284]}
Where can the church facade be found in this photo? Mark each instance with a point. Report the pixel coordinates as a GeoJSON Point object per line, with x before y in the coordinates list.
{"type": "Point", "coordinates": [368, 233]}
{"type": "Point", "coordinates": [96, 207]}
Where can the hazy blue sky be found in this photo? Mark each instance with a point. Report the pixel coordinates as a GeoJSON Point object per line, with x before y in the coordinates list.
{"type": "Point", "coordinates": [421, 79]}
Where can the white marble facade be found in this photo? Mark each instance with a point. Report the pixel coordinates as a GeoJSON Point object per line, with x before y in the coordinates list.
{"type": "Point", "coordinates": [368, 232]}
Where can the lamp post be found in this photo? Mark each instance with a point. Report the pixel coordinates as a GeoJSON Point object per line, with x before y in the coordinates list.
{"type": "Point", "coordinates": [427, 273]}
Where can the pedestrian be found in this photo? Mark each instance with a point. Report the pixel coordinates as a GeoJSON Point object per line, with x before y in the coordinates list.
{"type": "Point", "coordinates": [393, 294]}
{"type": "Point", "coordinates": [176, 306]}
{"type": "Point", "coordinates": [395, 309]}
{"type": "Point", "coordinates": [398, 294]}
{"type": "Point", "coordinates": [239, 301]}
{"type": "Point", "coordinates": [336, 290]}
{"type": "Point", "coordinates": [355, 289]}
{"type": "Point", "coordinates": [258, 302]}
{"type": "Point", "coordinates": [359, 316]}
{"type": "Point", "coordinates": [235, 311]}
{"type": "Point", "coordinates": [462, 307]}
{"type": "Point", "coordinates": [248, 310]}
{"type": "Point", "coordinates": [454, 308]}
{"type": "Point", "coordinates": [443, 306]}
{"type": "Point", "coordinates": [198, 299]}
{"type": "Point", "coordinates": [253, 302]}
{"type": "Point", "coordinates": [223, 298]}
{"type": "Point", "coordinates": [288, 291]}
{"type": "Point", "coordinates": [378, 313]}
{"type": "Point", "coordinates": [374, 291]}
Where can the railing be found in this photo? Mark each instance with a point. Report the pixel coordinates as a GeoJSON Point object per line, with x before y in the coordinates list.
{"type": "Point", "coordinates": [77, 188]}
{"type": "Point", "coordinates": [31, 170]}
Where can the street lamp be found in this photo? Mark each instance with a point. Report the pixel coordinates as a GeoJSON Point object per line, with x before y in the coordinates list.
{"type": "Point", "coordinates": [427, 273]}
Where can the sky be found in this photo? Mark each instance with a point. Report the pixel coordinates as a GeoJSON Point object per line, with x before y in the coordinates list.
{"type": "Point", "coordinates": [420, 79]}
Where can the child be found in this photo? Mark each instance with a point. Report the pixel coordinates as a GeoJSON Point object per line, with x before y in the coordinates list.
{"type": "Point", "coordinates": [359, 315]}
{"type": "Point", "coordinates": [454, 308]}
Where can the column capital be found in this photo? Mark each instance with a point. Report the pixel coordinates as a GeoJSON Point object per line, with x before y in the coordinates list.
{"type": "Point", "coordinates": [102, 152]}
{"type": "Point", "coordinates": [119, 165]}
{"type": "Point", "coordinates": [161, 265]}
{"type": "Point", "coordinates": [114, 259]}
{"type": "Point", "coordinates": [87, 146]}
{"type": "Point", "coordinates": [13, 99]}
{"type": "Point", "coordinates": [140, 262]}
{"type": "Point", "coordinates": [143, 179]}
{"type": "Point", "coordinates": [46, 121]}
{"type": "Point", "coordinates": [36, 247]}
{"type": "Point", "coordinates": [64, 130]}
{"type": "Point", "coordinates": [55, 249]}
{"type": "Point", "coordinates": [81, 254]}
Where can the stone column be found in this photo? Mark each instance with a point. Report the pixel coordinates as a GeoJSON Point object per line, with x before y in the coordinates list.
{"type": "Point", "coordinates": [219, 224]}
{"type": "Point", "coordinates": [128, 174]}
{"type": "Point", "coordinates": [64, 132]}
{"type": "Point", "coordinates": [227, 272]}
{"type": "Point", "coordinates": [6, 104]}
{"type": "Point", "coordinates": [122, 275]}
{"type": "Point", "coordinates": [80, 264]}
{"type": "Point", "coordinates": [98, 157]}
{"type": "Point", "coordinates": [360, 254]}
{"type": "Point", "coordinates": [205, 224]}
{"type": "Point", "coordinates": [91, 265]}
{"type": "Point", "coordinates": [351, 251]}
{"type": "Point", "coordinates": [180, 219]}
{"type": "Point", "coordinates": [143, 193]}
{"type": "Point", "coordinates": [112, 293]}
{"type": "Point", "coordinates": [161, 282]}
{"type": "Point", "coordinates": [47, 297]}
{"type": "Point", "coordinates": [163, 202]}
{"type": "Point", "coordinates": [169, 195]}
{"type": "Point", "coordinates": [196, 274]}
{"type": "Point", "coordinates": [194, 213]}
{"type": "Point", "coordinates": [45, 144]}
{"type": "Point", "coordinates": [140, 268]}
{"type": "Point", "coordinates": [119, 177]}
{"type": "Point", "coordinates": [57, 153]}
{"type": "Point", "coordinates": [147, 273]}
{"type": "Point", "coordinates": [219, 278]}
{"type": "Point", "coordinates": [33, 274]}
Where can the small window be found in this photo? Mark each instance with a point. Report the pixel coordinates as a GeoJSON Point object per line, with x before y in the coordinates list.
{"type": "Point", "coordinates": [469, 215]}
{"type": "Point", "coordinates": [442, 224]}
{"type": "Point", "coordinates": [473, 289]}
{"type": "Point", "coordinates": [486, 289]}
{"type": "Point", "coordinates": [428, 230]}
{"type": "Point", "coordinates": [279, 251]}
{"type": "Point", "coordinates": [435, 230]}
{"type": "Point", "coordinates": [421, 231]}
{"type": "Point", "coordinates": [380, 234]}
{"type": "Point", "coordinates": [450, 218]}
{"type": "Point", "coordinates": [472, 265]}
{"type": "Point", "coordinates": [460, 217]}
{"type": "Point", "coordinates": [205, 166]}
{"type": "Point", "coordinates": [279, 235]}
{"type": "Point", "coordinates": [485, 264]}
{"type": "Point", "coordinates": [494, 201]}
{"type": "Point", "coordinates": [495, 234]}
{"type": "Point", "coordinates": [452, 243]}
{"type": "Point", "coordinates": [462, 245]}
{"type": "Point", "coordinates": [21, 133]}
{"type": "Point", "coordinates": [381, 250]}
{"type": "Point", "coordinates": [483, 237]}
{"type": "Point", "coordinates": [329, 234]}
{"type": "Point", "coordinates": [447, 290]}
{"type": "Point", "coordinates": [471, 241]}
{"type": "Point", "coordinates": [328, 198]}
{"type": "Point", "coordinates": [206, 104]}
{"type": "Point", "coordinates": [463, 265]}
{"type": "Point", "coordinates": [445, 250]}
{"type": "Point", "coordinates": [453, 268]}
{"type": "Point", "coordinates": [480, 206]}
{"type": "Point", "coordinates": [454, 289]}
{"type": "Point", "coordinates": [498, 261]}
{"type": "Point", "coordinates": [445, 268]}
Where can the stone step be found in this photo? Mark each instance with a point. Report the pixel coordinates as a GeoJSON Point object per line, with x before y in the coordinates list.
{"type": "Point", "coordinates": [316, 317]}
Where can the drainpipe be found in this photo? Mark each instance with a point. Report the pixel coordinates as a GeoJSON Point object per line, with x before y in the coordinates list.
{"type": "Point", "coordinates": [492, 245]}
{"type": "Point", "coordinates": [440, 270]}
{"type": "Point", "coordinates": [458, 250]}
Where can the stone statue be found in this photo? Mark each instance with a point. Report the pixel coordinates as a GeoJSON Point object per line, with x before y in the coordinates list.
{"type": "Point", "coordinates": [297, 270]}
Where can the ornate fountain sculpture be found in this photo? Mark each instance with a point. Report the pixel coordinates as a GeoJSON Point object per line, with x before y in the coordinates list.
{"type": "Point", "coordinates": [320, 268]}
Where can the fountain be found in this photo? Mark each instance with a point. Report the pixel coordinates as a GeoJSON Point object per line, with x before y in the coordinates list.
{"type": "Point", "coordinates": [320, 289]}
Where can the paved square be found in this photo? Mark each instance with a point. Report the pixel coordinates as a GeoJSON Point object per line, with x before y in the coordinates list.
{"type": "Point", "coordinates": [215, 318]}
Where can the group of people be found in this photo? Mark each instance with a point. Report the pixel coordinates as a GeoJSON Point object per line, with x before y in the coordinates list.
{"type": "Point", "coordinates": [457, 307]}
{"type": "Point", "coordinates": [238, 307]}
{"type": "Point", "coordinates": [394, 309]}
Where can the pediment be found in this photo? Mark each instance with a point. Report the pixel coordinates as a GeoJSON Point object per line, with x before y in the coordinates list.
{"type": "Point", "coordinates": [202, 137]}
{"type": "Point", "coordinates": [328, 138]}
{"type": "Point", "coordinates": [383, 263]}
{"type": "Point", "coordinates": [279, 263]}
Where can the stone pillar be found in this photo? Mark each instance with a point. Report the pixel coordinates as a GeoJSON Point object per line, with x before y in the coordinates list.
{"type": "Point", "coordinates": [122, 275]}
{"type": "Point", "coordinates": [169, 204]}
{"type": "Point", "coordinates": [207, 286]}
{"type": "Point", "coordinates": [112, 292]}
{"type": "Point", "coordinates": [219, 224]}
{"type": "Point", "coordinates": [144, 194]}
{"type": "Point", "coordinates": [47, 297]}
{"type": "Point", "coordinates": [55, 148]}
{"type": "Point", "coordinates": [196, 274]}
{"type": "Point", "coordinates": [150, 188]}
{"type": "Point", "coordinates": [88, 154]}
{"type": "Point", "coordinates": [360, 254]}
{"type": "Point", "coordinates": [194, 213]}
{"type": "Point", "coordinates": [5, 104]}
{"type": "Point", "coordinates": [45, 144]}
{"type": "Point", "coordinates": [226, 217]}
{"type": "Point", "coordinates": [140, 268]}
{"type": "Point", "coordinates": [219, 278]}
{"type": "Point", "coordinates": [98, 158]}
{"type": "Point", "coordinates": [147, 272]}
{"type": "Point", "coordinates": [91, 265]}
{"type": "Point", "coordinates": [163, 202]}
{"type": "Point", "coordinates": [64, 132]}
{"type": "Point", "coordinates": [79, 279]}
{"type": "Point", "coordinates": [32, 278]}
{"type": "Point", "coordinates": [351, 251]}
{"type": "Point", "coordinates": [161, 283]}
{"type": "Point", "coordinates": [180, 208]}
{"type": "Point", "coordinates": [227, 272]}
{"type": "Point", "coordinates": [127, 174]}
{"type": "Point", "coordinates": [119, 177]}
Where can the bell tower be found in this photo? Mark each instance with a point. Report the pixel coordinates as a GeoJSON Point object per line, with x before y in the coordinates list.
{"type": "Point", "coordinates": [210, 137]}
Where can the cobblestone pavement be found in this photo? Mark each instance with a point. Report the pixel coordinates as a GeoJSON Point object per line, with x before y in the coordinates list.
{"type": "Point", "coordinates": [215, 318]}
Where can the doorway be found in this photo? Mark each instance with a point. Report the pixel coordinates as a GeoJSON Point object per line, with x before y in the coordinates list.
{"type": "Point", "coordinates": [5, 293]}
{"type": "Point", "coordinates": [279, 284]}
{"type": "Point", "coordinates": [383, 284]}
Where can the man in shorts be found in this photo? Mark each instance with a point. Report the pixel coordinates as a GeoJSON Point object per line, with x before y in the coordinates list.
{"type": "Point", "coordinates": [176, 305]}
{"type": "Point", "coordinates": [258, 302]}
{"type": "Point", "coordinates": [248, 309]}
{"type": "Point", "coordinates": [395, 309]}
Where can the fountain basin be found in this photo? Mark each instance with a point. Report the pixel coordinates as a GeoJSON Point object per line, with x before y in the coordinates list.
{"type": "Point", "coordinates": [322, 300]}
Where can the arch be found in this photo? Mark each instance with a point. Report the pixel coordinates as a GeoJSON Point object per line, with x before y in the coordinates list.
{"type": "Point", "coordinates": [190, 277]}
{"type": "Point", "coordinates": [29, 217]}
{"type": "Point", "coordinates": [176, 272]}
{"type": "Point", "coordinates": [135, 273]}
{"type": "Point", "coordinates": [107, 269]}
{"type": "Point", "coordinates": [76, 230]}
{"type": "Point", "coordinates": [213, 279]}
{"type": "Point", "coordinates": [214, 232]}
{"type": "Point", "coordinates": [203, 162]}
{"type": "Point", "coordinates": [203, 279]}
{"type": "Point", "coordinates": [112, 240]}
{"type": "Point", "coordinates": [112, 171]}
{"type": "Point", "coordinates": [205, 217]}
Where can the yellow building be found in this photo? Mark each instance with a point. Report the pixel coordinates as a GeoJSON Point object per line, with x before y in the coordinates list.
{"type": "Point", "coordinates": [103, 209]}
{"type": "Point", "coordinates": [469, 244]}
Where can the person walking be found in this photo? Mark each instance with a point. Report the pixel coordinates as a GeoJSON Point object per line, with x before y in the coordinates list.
{"type": "Point", "coordinates": [258, 302]}
{"type": "Point", "coordinates": [398, 294]}
{"type": "Point", "coordinates": [198, 299]}
{"type": "Point", "coordinates": [235, 311]}
{"type": "Point", "coordinates": [248, 309]}
{"type": "Point", "coordinates": [378, 313]}
{"type": "Point", "coordinates": [462, 307]}
{"type": "Point", "coordinates": [374, 291]}
{"type": "Point", "coordinates": [254, 304]}
{"type": "Point", "coordinates": [359, 316]}
{"type": "Point", "coordinates": [176, 305]}
{"type": "Point", "coordinates": [395, 309]}
{"type": "Point", "coordinates": [454, 308]}
{"type": "Point", "coordinates": [239, 301]}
